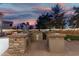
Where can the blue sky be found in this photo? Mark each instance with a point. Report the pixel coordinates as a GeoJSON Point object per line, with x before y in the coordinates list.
{"type": "Point", "coordinates": [26, 10]}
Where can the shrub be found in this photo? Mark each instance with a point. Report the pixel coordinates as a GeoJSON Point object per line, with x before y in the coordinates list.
{"type": "Point", "coordinates": [72, 37]}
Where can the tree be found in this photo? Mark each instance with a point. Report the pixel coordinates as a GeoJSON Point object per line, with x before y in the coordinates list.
{"type": "Point", "coordinates": [74, 22]}
{"type": "Point", "coordinates": [58, 16]}
{"type": "Point", "coordinates": [51, 19]}
{"type": "Point", "coordinates": [42, 22]}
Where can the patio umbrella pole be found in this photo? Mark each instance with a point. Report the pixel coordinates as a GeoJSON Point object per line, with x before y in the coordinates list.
{"type": "Point", "coordinates": [1, 24]}
{"type": "Point", "coordinates": [1, 34]}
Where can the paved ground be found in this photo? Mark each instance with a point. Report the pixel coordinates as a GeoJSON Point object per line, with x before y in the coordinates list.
{"type": "Point", "coordinates": [37, 49]}
{"type": "Point", "coordinates": [72, 48]}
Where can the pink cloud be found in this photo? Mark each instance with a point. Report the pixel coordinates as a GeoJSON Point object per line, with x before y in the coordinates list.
{"type": "Point", "coordinates": [42, 8]}
{"type": "Point", "coordinates": [7, 11]}
{"type": "Point", "coordinates": [17, 21]}
{"type": "Point", "coordinates": [69, 12]}
{"type": "Point", "coordinates": [31, 21]}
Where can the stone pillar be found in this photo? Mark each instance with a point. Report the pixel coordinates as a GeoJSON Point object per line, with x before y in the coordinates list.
{"type": "Point", "coordinates": [36, 35]}
{"type": "Point", "coordinates": [17, 44]}
{"type": "Point", "coordinates": [55, 42]}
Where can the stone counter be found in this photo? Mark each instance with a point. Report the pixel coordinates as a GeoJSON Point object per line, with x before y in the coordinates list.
{"type": "Point", "coordinates": [55, 42]}
{"type": "Point", "coordinates": [17, 44]}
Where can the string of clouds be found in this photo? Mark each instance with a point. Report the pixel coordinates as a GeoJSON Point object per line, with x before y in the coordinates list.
{"type": "Point", "coordinates": [27, 10]}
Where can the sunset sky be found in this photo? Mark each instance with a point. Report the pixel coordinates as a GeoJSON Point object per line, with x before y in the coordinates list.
{"type": "Point", "coordinates": [29, 11]}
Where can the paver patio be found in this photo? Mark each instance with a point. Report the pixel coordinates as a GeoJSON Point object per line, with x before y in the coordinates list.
{"type": "Point", "coordinates": [40, 49]}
